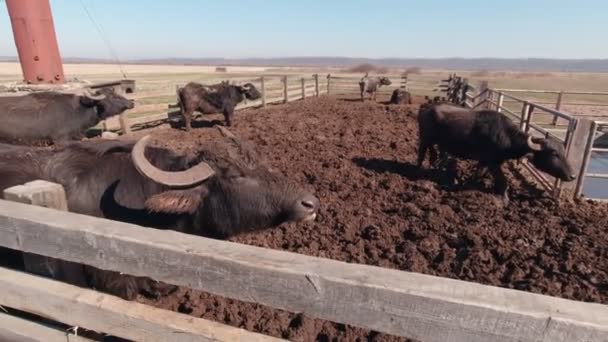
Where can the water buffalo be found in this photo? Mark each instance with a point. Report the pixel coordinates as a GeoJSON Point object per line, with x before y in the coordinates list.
{"type": "Point", "coordinates": [224, 189]}
{"type": "Point", "coordinates": [221, 97]}
{"type": "Point", "coordinates": [370, 85]}
{"type": "Point", "coordinates": [490, 138]}
{"type": "Point", "coordinates": [57, 116]}
{"type": "Point", "coordinates": [401, 96]}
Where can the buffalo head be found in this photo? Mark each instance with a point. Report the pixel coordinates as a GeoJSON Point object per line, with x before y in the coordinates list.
{"type": "Point", "coordinates": [228, 190]}
{"type": "Point", "coordinates": [549, 156]}
{"type": "Point", "coordinates": [250, 91]}
{"type": "Point", "coordinates": [385, 81]}
{"type": "Point", "coordinates": [106, 101]}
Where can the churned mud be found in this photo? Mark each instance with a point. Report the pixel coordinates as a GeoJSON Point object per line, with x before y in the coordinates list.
{"type": "Point", "coordinates": [379, 209]}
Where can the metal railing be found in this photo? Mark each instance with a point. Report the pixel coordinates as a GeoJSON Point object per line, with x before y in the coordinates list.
{"type": "Point", "coordinates": [596, 126]}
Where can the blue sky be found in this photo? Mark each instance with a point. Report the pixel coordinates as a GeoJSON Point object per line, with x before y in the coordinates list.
{"type": "Point", "coordinates": [350, 28]}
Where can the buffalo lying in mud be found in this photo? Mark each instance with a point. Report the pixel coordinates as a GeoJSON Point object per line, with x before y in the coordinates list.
{"type": "Point", "coordinates": [400, 96]}
{"type": "Point", "coordinates": [57, 116]}
{"type": "Point", "coordinates": [370, 85]}
{"type": "Point", "coordinates": [222, 190]}
{"type": "Point", "coordinates": [218, 98]}
{"type": "Point", "coordinates": [490, 138]}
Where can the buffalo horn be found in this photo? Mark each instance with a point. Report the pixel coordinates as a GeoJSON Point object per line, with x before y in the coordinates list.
{"type": "Point", "coordinates": [534, 146]}
{"type": "Point", "coordinates": [90, 95]}
{"type": "Point", "coordinates": [175, 179]}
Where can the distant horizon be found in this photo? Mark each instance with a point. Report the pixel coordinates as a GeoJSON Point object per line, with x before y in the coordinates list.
{"type": "Point", "coordinates": [325, 57]}
{"type": "Point", "coordinates": [449, 63]}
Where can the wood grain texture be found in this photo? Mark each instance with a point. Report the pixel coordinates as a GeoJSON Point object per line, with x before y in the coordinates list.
{"type": "Point", "coordinates": [100, 312]}
{"type": "Point", "coordinates": [401, 303]}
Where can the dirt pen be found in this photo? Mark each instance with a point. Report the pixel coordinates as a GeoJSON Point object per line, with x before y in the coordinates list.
{"type": "Point", "coordinates": [396, 252]}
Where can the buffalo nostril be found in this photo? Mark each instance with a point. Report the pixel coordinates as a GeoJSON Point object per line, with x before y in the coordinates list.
{"type": "Point", "coordinates": [308, 204]}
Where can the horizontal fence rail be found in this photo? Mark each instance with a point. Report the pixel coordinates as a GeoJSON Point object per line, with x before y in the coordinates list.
{"type": "Point", "coordinates": [273, 90]}
{"type": "Point", "coordinates": [396, 302]}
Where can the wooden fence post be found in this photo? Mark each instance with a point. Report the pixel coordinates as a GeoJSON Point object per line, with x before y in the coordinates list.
{"type": "Point", "coordinates": [50, 195]}
{"type": "Point", "coordinates": [328, 84]}
{"type": "Point", "coordinates": [263, 90]}
{"type": "Point", "coordinates": [524, 116]}
{"type": "Point", "coordinates": [285, 92]}
{"type": "Point", "coordinates": [404, 79]}
{"type": "Point", "coordinates": [499, 102]}
{"type": "Point", "coordinates": [303, 88]}
{"type": "Point", "coordinates": [483, 95]}
{"type": "Point", "coordinates": [558, 107]}
{"type": "Point", "coordinates": [579, 153]}
{"type": "Point", "coordinates": [124, 123]}
{"type": "Point", "coordinates": [316, 77]}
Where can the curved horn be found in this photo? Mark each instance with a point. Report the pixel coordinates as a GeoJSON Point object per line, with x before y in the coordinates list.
{"type": "Point", "coordinates": [90, 95]}
{"type": "Point", "coordinates": [532, 145]}
{"type": "Point", "coordinates": [178, 179]}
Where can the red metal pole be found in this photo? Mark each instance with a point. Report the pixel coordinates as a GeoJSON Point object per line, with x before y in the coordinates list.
{"type": "Point", "coordinates": [36, 42]}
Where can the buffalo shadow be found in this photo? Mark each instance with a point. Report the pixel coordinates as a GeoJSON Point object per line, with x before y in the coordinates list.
{"type": "Point", "coordinates": [445, 174]}
{"type": "Point", "coordinates": [407, 170]}
{"type": "Point", "coordinates": [176, 120]}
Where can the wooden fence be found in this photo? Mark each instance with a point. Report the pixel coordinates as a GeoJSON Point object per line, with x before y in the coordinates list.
{"type": "Point", "coordinates": [273, 90]}
{"type": "Point", "coordinates": [395, 302]}
{"type": "Point", "coordinates": [349, 85]}
{"type": "Point", "coordinates": [576, 133]}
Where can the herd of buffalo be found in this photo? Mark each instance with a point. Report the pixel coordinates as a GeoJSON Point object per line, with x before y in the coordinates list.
{"type": "Point", "coordinates": [226, 188]}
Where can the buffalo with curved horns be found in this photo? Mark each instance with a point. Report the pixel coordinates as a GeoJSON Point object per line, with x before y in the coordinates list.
{"type": "Point", "coordinates": [224, 189]}
{"type": "Point", "coordinates": [490, 138]}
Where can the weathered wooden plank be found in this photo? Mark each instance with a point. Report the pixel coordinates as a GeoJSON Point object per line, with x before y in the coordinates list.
{"type": "Point", "coordinates": [577, 149]}
{"type": "Point", "coordinates": [285, 90]}
{"type": "Point", "coordinates": [99, 312]}
{"type": "Point", "coordinates": [584, 145]}
{"type": "Point", "coordinates": [48, 195]}
{"type": "Point", "coordinates": [263, 90]}
{"type": "Point", "coordinates": [17, 329]}
{"type": "Point", "coordinates": [401, 303]}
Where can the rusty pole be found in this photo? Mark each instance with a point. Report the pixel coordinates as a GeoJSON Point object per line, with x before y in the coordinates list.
{"type": "Point", "coordinates": [36, 42]}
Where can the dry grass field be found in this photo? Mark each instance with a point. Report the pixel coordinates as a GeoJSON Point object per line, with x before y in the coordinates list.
{"type": "Point", "coordinates": [156, 83]}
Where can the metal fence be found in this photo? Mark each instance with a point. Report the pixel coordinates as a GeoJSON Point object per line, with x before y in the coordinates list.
{"type": "Point", "coordinates": [577, 134]}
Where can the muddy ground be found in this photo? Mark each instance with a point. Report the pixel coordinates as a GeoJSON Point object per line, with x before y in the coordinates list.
{"type": "Point", "coordinates": [379, 209]}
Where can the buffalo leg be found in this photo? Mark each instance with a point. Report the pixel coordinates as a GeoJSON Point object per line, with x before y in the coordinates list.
{"type": "Point", "coordinates": [187, 120]}
{"type": "Point", "coordinates": [433, 156]}
{"type": "Point", "coordinates": [228, 115]}
{"type": "Point", "coordinates": [126, 286]}
{"type": "Point", "coordinates": [422, 147]}
{"type": "Point", "coordinates": [501, 185]}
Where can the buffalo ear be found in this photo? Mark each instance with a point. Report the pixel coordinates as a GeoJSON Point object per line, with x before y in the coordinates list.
{"type": "Point", "coordinates": [88, 102]}
{"type": "Point", "coordinates": [177, 201]}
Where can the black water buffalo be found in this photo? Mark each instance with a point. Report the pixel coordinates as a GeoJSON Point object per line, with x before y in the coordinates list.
{"type": "Point", "coordinates": [370, 85]}
{"type": "Point", "coordinates": [401, 96]}
{"type": "Point", "coordinates": [218, 98]}
{"type": "Point", "coordinates": [490, 138]}
{"type": "Point", "coordinates": [57, 116]}
{"type": "Point", "coordinates": [224, 189]}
